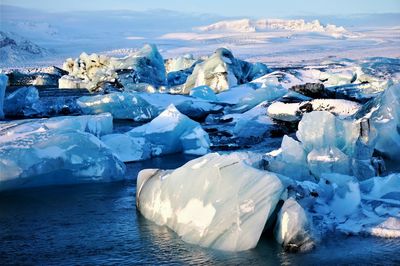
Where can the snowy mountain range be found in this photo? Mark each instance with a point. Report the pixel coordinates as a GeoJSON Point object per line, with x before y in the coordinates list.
{"type": "Point", "coordinates": [261, 25]}
{"type": "Point", "coordinates": [15, 49]}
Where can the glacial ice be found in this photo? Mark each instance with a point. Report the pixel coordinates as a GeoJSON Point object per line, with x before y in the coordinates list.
{"type": "Point", "coordinates": [384, 117]}
{"type": "Point", "coordinates": [173, 132]}
{"type": "Point", "coordinates": [179, 63]}
{"type": "Point", "coordinates": [293, 228]}
{"type": "Point", "coordinates": [126, 148]}
{"type": "Point", "coordinates": [92, 71]}
{"type": "Point", "coordinates": [222, 71]}
{"type": "Point", "coordinates": [203, 92]}
{"type": "Point", "coordinates": [122, 105]}
{"type": "Point", "coordinates": [23, 102]}
{"type": "Point", "coordinates": [3, 85]}
{"type": "Point", "coordinates": [56, 151]}
{"type": "Point", "coordinates": [329, 144]}
{"type": "Point", "coordinates": [206, 203]}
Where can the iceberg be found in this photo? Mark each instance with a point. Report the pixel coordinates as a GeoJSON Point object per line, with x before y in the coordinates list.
{"type": "Point", "coordinates": [3, 85]}
{"type": "Point", "coordinates": [92, 71]}
{"type": "Point", "coordinates": [206, 203]}
{"type": "Point", "coordinates": [56, 151]}
{"type": "Point", "coordinates": [122, 105]}
{"type": "Point", "coordinates": [329, 144]}
{"type": "Point", "coordinates": [23, 102]}
{"type": "Point", "coordinates": [293, 228]}
{"type": "Point", "coordinates": [222, 71]}
{"type": "Point", "coordinates": [173, 132]}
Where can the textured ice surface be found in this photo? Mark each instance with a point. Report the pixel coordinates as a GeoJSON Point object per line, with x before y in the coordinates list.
{"type": "Point", "coordinates": [122, 105]}
{"type": "Point", "coordinates": [207, 203]}
{"type": "Point", "coordinates": [247, 96]}
{"type": "Point", "coordinates": [92, 71]}
{"type": "Point", "coordinates": [56, 151]}
{"type": "Point", "coordinates": [173, 132]}
{"type": "Point", "coordinates": [3, 85]}
{"type": "Point", "coordinates": [330, 145]}
{"type": "Point", "coordinates": [222, 71]}
{"type": "Point", "coordinates": [292, 111]}
{"type": "Point", "coordinates": [23, 102]}
{"type": "Point", "coordinates": [293, 228]}
{"type": "Point", "coordinates": [179, 63]}
{"type": "Point", "coordinates": [385, 118]}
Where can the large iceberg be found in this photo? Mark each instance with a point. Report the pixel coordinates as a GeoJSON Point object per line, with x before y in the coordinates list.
{"type": "Point", "coordinates": [56, 151]}
{"type": "Point", "coordinates": [3, 85]}
{"type": "Point", "coordinates": [122, 105]}
{"type": "Point", "coordinates": [93, 71]}
{"type": "Point", "coordinates": [207, 203]}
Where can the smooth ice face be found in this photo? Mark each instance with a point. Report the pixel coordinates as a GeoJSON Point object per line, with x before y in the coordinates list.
{"type": "Point", "coordinates": [56, 151]}
{"type": "Point", "coordinates": [293, 229]}
{"type": "Point", "coordinates": [122, 105]}
{"type": "Point", "coordinates": [173, 132]}
{"type": "Point", "coordinates": [203, 92]}
{"type": "Point", "coordinates": [3, 85]}
{"type": "Point", "coordinates": [385, 118]}
{"type": "Point", "coordinates": [128, 149]}
{"type": "Point", "coordinates": [207, 203]}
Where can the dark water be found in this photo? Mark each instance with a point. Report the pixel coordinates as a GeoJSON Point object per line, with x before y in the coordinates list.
{"type": "Point", "coordinates": [98, 224]}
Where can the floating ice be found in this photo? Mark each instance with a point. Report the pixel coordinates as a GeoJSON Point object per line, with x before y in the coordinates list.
{"type": "Point", "coordinates": [203, 92]}
{"type": "Point", "coordinates": [222, 71]}
{"type": "Point", "coordinates": [126, 148]}
{"type": "Point", "coordinates": [23, 102]}
{"type": "Point", "coordinates": [173, 132]}
{"type": "Point", "coordinates": [122, 105]}
{"type": "Point", "coordinates": [293, 229]}
{"type": "Point", "coordinates": [92, 71]}
{"type": "Point", "coordinates": [56, 151]}
{"type": "Point", "coordinates": [207, 203]}
{"type": "Point", "coordinates": [331, 145]}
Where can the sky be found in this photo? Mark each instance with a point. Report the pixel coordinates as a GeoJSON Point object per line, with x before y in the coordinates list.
{"type": "Point", "coordinates": [254, 8]}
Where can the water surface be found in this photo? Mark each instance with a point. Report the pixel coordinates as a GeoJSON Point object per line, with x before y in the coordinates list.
{"type": "Point", "coordinates": [99, 224]}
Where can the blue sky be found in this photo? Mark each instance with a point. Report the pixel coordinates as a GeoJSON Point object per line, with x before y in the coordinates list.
{"type": "Point", "coordinates": [255, 8]}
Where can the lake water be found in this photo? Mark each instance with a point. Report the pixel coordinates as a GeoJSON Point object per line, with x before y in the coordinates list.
{"type": "Point", "coordinates": [99, 224]}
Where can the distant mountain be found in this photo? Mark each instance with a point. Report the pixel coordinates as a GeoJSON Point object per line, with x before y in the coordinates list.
{"type": "Point", "coordinates": [261, 25]}
{"type": "Point", "coordinates": [17, 49]}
